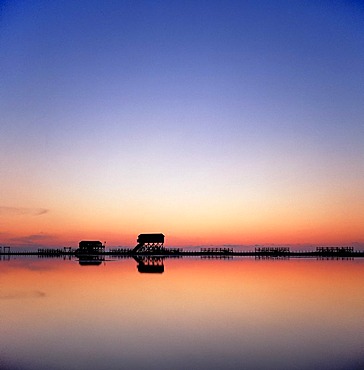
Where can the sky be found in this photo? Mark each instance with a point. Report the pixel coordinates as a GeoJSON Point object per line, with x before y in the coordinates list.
{"type": "Point", "coordinates": [214, 122]}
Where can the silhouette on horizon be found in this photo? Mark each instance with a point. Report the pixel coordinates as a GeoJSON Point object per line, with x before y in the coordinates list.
{"type": "Point", "coordinates": [90, 247]}
{"type": "Point", "coordinates": [149, 243]}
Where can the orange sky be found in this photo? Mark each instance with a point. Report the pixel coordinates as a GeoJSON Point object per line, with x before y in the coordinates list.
{"type": "Point", "coordinates": [332, 224]}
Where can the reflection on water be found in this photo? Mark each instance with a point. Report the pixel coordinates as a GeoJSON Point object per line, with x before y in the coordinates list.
{"type": "Point", "coordinates": [90, 260]}
{"type": "Point", "coordinates": [149, 264]}
{"type": "Point", "coordinates": [198, 314]}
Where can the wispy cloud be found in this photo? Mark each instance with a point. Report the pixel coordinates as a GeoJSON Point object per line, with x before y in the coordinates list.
{"type": "Point", "coordinates": [23, 295]}
{"type": "Point", "coordinates": [22, 211]}
{"type": "Point", "coordinates": [34, 238]}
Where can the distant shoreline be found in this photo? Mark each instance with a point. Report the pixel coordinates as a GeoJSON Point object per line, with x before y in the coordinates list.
{"type": "Point", "coordinates": [260, 253]}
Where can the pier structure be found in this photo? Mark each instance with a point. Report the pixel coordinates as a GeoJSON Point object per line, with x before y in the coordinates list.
{"type": "Point", "coordinates": [153, 245]}
{"type": "Point", "coordinates": [334, 250]}
{"type": "Point", "coordinates": [217, 250]}
{"type": "Point", "coordinates": [117, 251]}
{"type": "Point", "coordinates": [149, 243]}
{"type": "Point", "coordinates": [272, 250]}
{"type": "Point", "coordinates": [51, 252]}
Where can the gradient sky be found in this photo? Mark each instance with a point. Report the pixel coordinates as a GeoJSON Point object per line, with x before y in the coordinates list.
{"type": "Point", "coordinates": [214, 122]}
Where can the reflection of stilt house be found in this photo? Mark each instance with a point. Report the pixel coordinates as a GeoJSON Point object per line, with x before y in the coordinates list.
{"type": "Point", "coordinates": [90, 247]}
{"type": "Point", "coordinates": [87, 260]}
{"type": "Point", "coordinates": [148, 264]}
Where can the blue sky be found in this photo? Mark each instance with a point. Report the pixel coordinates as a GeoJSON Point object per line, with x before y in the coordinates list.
{"type": "Point", "coordinates": [242, 109]}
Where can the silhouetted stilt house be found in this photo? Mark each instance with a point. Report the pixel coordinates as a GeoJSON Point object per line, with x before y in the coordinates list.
{"type": "Point", "coordinates": [149, 243]}
{"type": "Point", "coordinates": [90, 247]}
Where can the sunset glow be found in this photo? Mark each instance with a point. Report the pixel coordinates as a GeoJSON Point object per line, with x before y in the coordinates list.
{"type": "Point", "coordinates": [219, 122]}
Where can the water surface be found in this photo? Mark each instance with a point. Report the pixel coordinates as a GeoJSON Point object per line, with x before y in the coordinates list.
{"type": "Point", "coordinates": [197, 314]}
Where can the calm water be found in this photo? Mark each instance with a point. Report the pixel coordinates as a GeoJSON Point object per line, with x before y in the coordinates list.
{"type": "Point", "coordinates": [197, 314]}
